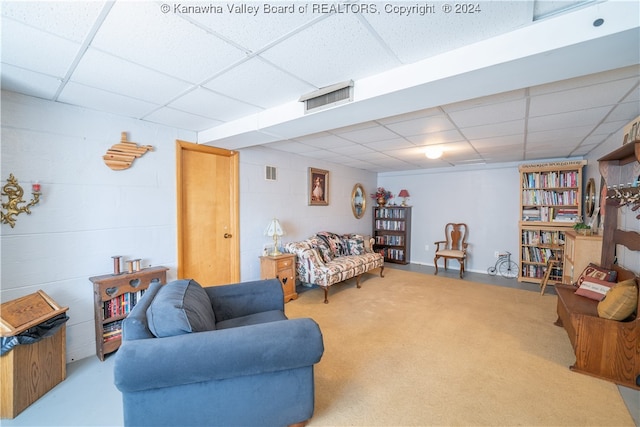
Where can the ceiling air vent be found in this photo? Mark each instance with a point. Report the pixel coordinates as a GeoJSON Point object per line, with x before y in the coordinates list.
{"type": "Point", "coordinates": [326, 97]}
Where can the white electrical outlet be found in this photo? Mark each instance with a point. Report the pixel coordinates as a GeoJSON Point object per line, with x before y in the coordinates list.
{"type": "Point", "coordinates": [496, 254]}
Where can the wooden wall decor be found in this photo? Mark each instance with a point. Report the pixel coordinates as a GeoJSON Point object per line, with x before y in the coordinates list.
{"type": "Point", "coordinates": [122, 155]}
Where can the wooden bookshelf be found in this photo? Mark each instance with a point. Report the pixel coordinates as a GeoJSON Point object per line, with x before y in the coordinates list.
{"type": "Point", "coordinates": [392, 233]}
{"type": "Point", "coordinates": [550, 204]}
{"type": "Point", "coordinates": [114, 296]}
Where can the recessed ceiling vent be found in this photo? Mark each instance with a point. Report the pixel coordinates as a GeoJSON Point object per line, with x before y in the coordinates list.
{"type": "Point", "coordinates": [327, 97]}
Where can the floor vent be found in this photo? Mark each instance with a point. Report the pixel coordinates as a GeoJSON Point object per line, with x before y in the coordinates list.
{"type": "Point", "coordinates": [327, 97]}
{"type": "Point", "coordinates": [270, 173]}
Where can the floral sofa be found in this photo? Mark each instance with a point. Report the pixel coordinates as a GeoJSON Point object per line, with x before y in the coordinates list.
{"type": "Point", "coordinates": [329, 258]}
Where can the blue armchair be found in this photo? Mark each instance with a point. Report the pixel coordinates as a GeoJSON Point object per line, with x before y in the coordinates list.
{"type": "Point", "coordinates": [244, 363]}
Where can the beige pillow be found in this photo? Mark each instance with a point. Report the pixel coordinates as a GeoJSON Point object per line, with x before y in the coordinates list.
{"type": "Point", "coordinates": [620, 301]}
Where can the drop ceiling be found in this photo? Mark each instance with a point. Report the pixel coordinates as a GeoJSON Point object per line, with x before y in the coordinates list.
{"type": "Point", "coordinates": [506, 81]}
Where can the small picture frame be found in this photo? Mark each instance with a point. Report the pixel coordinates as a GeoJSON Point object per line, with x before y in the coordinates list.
{"type": "Point", "coordinates": [318, 187]}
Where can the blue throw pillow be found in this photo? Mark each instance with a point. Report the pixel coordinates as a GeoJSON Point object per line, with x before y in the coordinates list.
{"type": "Point", "coordinates": [180, 307]}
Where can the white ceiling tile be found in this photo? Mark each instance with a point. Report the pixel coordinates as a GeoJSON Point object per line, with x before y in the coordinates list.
{"type": "Point", "coordinates": [180, 119]}
{"type": "Point", "coordinates": [487, 114]}
{"type": "Point", "coordinates": [97, 99]}
{"type": "Point", "coordinates": [335, 44]}
{"type": "Point", "coordinates": [390, 144]}
{"type": "Point", "coordinates": [514, 127]}
{"type": "Point", "coordinates": [588, 80]}
{"type": "Point", "coordinates": [581, 98]}
{"type": "Point", "coordinates": [437, 138]}
{"type": "Point", "coordinates": [291, 147]}
{"type": "Point", "coordinates": [365, 136]}
{"type": "Point", "coordinates": [69, 19]}
{"type": "Point", "coordinates": [184, 51]}
{"type": "Point", "coordinates": [566, 120]}
{"type": "Point", "coordinates": [498, 142]}
{"type": "Point", "coordinates": [356, 127]}
{"type": "Point", "coordinates": [498, 98]}
{"type": "Point", "coordinates": [259, 83]}
{"type": "Point", "coordinates": [325, 140]}
{"type": "Point", "coordinates": [35, 50]}
{"type": "Point", "coordinates": [253, 31]}
{"type": "Point", "coordinates": [28, 82]}
{"type": "Point", "coordinates": [354, 150]}
{"type": "Point", "coordinates": [97, 69]}
{"type": "Point", "coordinates": [206, 103]}
{"type": "Point", "coordinates": [420, 114]}
{"type": "Point", "coordinates": [559, 134]}
{"type": "Point", "coordinates": [415, 34]}
{"type": "Point", "coordinates": [420, 126]}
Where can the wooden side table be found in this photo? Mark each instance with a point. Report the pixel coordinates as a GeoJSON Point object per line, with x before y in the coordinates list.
{"type": "Point", "coordinates": [283, 268]}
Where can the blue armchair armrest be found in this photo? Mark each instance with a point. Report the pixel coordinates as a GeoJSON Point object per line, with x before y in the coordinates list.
{"type": "Point", "coordinates": [219, 354]}
{"type": "Point", "coordinates": [243, 299]}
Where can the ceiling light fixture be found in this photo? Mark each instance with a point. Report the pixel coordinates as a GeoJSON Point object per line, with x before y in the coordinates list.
{"type": "Point", "coordinates": [433, 152]}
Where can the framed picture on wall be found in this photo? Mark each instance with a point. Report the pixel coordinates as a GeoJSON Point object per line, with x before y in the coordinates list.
{"type": "Point", "coordinates": [318, 187]}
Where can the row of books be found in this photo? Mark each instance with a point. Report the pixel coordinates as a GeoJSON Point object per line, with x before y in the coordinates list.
{"type": "Point", "coordinates": [548, 214]}
{"type": "Point", "coordinates": [395, 254]}
{"type": "Point", "coordinates": [390, 225]}
{"type": "Point", "coordinates": [112, 330]}
{"type": "Point", "coordinates": [391, 213]}
{"type": "Point", "coordinates": [542, 237]}
{"type": "Point", "coordinates": [550, 179]}
{"type": "Point", "coordinates": [390, 240]}
{"type": "Point", "coordinates": [122, 304]}
{"type": "Point", "coordinates": [547, 197]}
{"type": "Point", "coordinates": [537, 272]}
{"type": "Point", "coordinates": [540, 255]}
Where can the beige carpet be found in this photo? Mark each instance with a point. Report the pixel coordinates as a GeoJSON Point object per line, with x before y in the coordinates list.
{"type": "Point", "coordinates": [415, 349]}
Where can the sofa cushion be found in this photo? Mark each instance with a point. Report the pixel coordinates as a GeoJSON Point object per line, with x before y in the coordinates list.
{"type": "Point", "coordinates": [322, 248]}
{"type": "Point", "coordinates": [252, 319]}
{"type": "Point", "coordinates": [180, 307]}
{"type": "Point", "coordinates": [620, 302]}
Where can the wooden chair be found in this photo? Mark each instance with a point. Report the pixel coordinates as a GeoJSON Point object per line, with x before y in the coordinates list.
{"type": "Point", "coordinates": [455, 247]}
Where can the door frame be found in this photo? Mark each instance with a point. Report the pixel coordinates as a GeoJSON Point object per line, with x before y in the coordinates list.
{"type": "Point", "coordinates": [234, 205]}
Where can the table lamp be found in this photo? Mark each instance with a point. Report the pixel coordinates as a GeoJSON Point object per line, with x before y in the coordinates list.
{"type": "Point", "coordinates": [404, 194]}
{"type": "Point", "coordinates": [274, 230]}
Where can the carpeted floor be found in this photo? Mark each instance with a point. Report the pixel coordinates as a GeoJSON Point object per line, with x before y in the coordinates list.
{"type": "Point", "coordinates": [413, 349]}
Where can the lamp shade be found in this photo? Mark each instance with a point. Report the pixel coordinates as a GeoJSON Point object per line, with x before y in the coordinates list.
{"type": "Point", "coordinates": [403, 193]}
{"type": "Point", "coordinates": [274, 228]}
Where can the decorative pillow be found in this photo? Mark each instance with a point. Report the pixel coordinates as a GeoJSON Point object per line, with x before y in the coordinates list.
{"type": "Point", "coordinates": [593, 288]}
{"type": "Point", "coordinates": [620, 302]}
{"type": "Point", "coordinates": [335, 243]}
{"type": "Point", "coordinates": [593, 270]}
{"type": "Point", "coordinates": [355, 244]}
{"type": "Point", "coordinates": [322, 248]}
{"type": "Point", "coordinates": [180, 307]}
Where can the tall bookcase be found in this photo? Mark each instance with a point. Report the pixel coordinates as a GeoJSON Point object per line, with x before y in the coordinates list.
{"type": "Point", "coordinates": [114, 295]}
{"type": "Point", "coordinates": [550, 204]}
{"type": "Point", "coordinates": [392, 232]}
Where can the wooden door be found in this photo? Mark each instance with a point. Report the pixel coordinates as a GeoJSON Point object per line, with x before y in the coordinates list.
{"type": "Point", "coordinates": [208, 221]}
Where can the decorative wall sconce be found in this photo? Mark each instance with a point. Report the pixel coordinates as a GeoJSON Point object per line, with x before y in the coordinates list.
{"type": "Point", "coordinates": [12, 208]}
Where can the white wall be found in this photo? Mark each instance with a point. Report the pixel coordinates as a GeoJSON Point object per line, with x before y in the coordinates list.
{"type": "Point", "coordinates": [486, 199]}
{"type": "Point", "coordinates": [89, 212]}
{"type": "Point", "coordinates": [287, 199]}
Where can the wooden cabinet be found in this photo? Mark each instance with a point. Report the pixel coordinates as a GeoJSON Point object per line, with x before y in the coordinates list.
{"type": "Point", "coordinates": [392, 233]}
{"type": "Point", "coordinates": [550, 204]}
{"type": "Point", "coordinates": [579, 251]}
{"type": "Point", "coordinates": [114, 296]}
{"type": "Point", "coordinates": [283, 268]}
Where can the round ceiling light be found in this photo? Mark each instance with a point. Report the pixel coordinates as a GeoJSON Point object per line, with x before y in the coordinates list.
{"type": "Point", "coordinates": [433, 152]}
